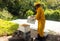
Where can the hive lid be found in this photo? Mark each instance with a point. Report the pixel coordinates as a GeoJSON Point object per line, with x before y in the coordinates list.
{"type": "Point", "coordinates": [25, 25]}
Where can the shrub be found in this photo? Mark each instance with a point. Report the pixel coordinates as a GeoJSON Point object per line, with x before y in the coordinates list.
{"type": "Point", "coordinates": [52, 15]}
{"type": "Point", "coordinates": [7, 27]}
{"type": "Point", "coordinates": [5, 15]}
{"type": "Point", "coordinates": [55, 15]}
{"type": "Point", "coordinates": [29, 13]}
{"type": "Point", "coordinates": [48, 13]}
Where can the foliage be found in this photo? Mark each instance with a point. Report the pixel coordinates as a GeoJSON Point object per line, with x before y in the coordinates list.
{"type": "Point", "coordinates": [52, 15]}
{"type": "Point", "coordinates": [44, 5]}
{"type": "Point", "coordinates": [56, 15]}
{"type": "Point", "coordinates": [54, 4]}
{"type": "Point", "coordinates": [29, 13]}
{"type": "Point", "coordinates": [49, 11]}
{"type": "Point", "coordinates": [5, 15]}
{"type": "Point", "coordinates": [7, 27]}
{"type": "Point", "coordinates": [18, 8]}
{"type": "Point", "coordinates": [13, 7]}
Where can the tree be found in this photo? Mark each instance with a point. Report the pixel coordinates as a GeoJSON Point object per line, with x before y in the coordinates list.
{"type": "Point", "coordinates": [19, 7]}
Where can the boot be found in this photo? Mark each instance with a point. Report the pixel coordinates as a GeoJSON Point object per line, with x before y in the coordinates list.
{"type": "Point", "coordinates": [39, 38]}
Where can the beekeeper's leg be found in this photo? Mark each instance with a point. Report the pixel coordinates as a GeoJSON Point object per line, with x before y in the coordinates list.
{"type": "Point", "coordinates": [41, 30]}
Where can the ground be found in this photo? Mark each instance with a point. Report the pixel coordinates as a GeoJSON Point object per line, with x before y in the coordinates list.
{"type": "Point", "coordinates": [51, 27]}
{"type": "Point", "coordinates": [51, 37]}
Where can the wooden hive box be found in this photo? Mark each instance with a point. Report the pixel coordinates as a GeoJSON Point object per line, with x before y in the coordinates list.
{"type": "Point", "coordinates": [24, 28]}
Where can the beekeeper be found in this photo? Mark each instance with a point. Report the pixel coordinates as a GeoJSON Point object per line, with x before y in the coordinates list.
{"type": "Point", "coordinates": [40, 17]}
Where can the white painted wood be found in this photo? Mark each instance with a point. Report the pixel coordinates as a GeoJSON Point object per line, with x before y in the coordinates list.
{"type": "Point", "coordinates": [24, 28]}
{"type": "Point", "coordinates": [31, 19]}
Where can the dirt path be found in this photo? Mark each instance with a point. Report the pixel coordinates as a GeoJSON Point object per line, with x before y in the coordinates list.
{"type": "Point", "coordinates": [4, 38]}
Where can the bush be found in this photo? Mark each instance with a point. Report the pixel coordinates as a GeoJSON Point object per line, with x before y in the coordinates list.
{"type": "Point", "coordinates": [48, 13]}
{"type": "Point", "coordinates": [55, 15]}
{"type": "Point", "coordinates": [52, 15]}
{"type": "Point", "coordinates": [7, 27]}
{"type": "Point", "coordinates": [29, 13]}
{"type": "Point", "coordinates": [5, 15]}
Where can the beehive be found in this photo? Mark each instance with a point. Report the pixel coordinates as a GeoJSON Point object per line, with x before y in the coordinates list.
{"type": "Point", "coordinates": [26, 32]}
{"type": "Point", "coordinates": [24, 28]}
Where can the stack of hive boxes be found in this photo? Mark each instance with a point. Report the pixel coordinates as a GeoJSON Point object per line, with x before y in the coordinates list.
{"type": "Point", "coordinates": [25, 28]}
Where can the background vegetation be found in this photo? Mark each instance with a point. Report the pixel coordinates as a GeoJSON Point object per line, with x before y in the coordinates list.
{"type": "Point", "coordinates": [20, 8]}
